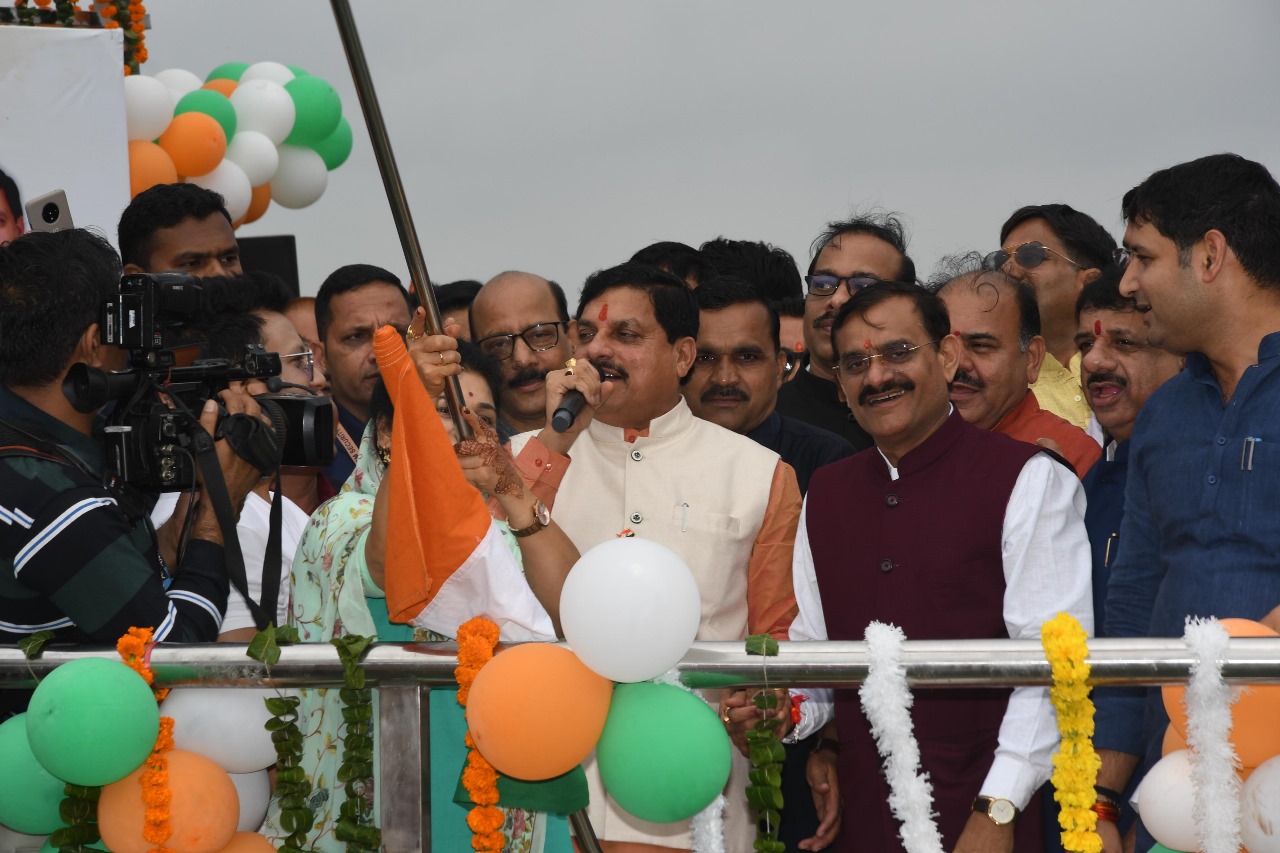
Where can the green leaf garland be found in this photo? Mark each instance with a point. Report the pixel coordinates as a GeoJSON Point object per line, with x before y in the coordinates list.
{"type": "Point", "coordinates": [764, 793]}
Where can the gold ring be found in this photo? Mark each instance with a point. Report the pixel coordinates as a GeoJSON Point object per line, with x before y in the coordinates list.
{"type": "Point", "coordinates": [441, 354]}
{"type": "Point", "coordinates": [725, 716]}
{"type": "Point", "coordinates": [410, 335]}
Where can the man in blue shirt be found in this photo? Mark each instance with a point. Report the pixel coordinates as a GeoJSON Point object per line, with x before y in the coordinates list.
{"type": "Point", "coordinates": [1201, 527]}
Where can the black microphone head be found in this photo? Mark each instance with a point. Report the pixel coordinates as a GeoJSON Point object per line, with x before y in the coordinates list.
{"type": "Point", "coordinates": [567, 412]}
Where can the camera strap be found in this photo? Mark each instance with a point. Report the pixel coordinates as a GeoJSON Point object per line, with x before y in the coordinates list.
{"type": "Point", "coordinates": [273, 559]}
{"type": "Point", "coordinates": [215, 488]}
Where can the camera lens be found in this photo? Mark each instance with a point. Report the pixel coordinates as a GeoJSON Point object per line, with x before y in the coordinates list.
{"type": "Point", "coordinates": [50, 213]}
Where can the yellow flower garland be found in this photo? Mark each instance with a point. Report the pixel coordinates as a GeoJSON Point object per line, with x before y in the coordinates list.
{"type": "Point", "coordinates": [1075, 766]}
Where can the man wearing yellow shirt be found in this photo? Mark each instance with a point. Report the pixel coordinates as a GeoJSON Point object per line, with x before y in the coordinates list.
{"type": "Point", "coordinates": [1057, 250]}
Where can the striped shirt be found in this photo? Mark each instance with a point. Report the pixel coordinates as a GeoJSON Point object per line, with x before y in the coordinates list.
{"type": "Point", "coordinates": [73, 562]}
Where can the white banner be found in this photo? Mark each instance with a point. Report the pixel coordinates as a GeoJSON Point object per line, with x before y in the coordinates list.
{"type": "Point", "coordinates": [62, 123]}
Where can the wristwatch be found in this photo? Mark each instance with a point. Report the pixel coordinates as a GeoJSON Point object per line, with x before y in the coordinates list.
{"type": "Point", "coordinates": [541, 518]}
{"type": "Point", "coordinates": [1002, 812]}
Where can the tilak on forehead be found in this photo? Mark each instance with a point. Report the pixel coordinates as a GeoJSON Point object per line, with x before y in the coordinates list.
{"type": "Point", "coordinates": [866, 344]}
{"type": "Point", "coordinates": [1097, 327]}
{"type": "Point", "coordinates": [604, 312]}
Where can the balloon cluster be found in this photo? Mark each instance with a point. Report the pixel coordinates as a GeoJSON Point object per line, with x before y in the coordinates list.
{"type": "Point", "coordinates": [630, 609]}
{"type": "Point", "coordinates": [1165, 797]}
{"type": "Point", "coordinates": [253, 133]}
{"type": "Point", "coordinates": [94, 722]}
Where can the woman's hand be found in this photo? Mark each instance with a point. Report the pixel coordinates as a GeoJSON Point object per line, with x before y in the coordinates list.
{"type": "Point", "coordinates": [434, 356]}
{"type": "Point", "coordinates": [486, 464]}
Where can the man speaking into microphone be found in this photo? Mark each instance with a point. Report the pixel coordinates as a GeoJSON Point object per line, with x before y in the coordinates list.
{"type": "Point", "coordinates": [644, 466]}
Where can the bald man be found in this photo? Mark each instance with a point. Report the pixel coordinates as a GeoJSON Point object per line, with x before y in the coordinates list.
{"type": "Point", "coordinates": [522, 321]}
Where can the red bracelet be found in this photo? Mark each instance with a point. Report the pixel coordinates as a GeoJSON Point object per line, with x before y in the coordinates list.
{"type": "Point", "coordinates": [1106, 811]}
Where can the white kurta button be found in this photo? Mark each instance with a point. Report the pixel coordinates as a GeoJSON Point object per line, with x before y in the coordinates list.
{"type": "Point", "coordinates": [637, 455]}
{"type": "Point", "coordinates": [636, 518]}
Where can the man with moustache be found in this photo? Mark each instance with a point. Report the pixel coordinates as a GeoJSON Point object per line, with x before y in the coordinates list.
{"type": "Point", "coordinates": [1057, 250]}
{"type": "Point", "coordinates": [734, 383]}
{"type": "Point", "coordinates": [178, 228]}
{"type": "Point", "coordinates": [1120, 369]}
{"type": "Point", "coordinates": [521, 320]}
{"type": "Point", "coordinates": [847, 256]}
{"type": "Point", "coordinates": [353, 303]}
{"type": "Point", "coordinates": [644, 466]}
{"type": "Point", "coordinates": [996, 318]}
{"type": "Point", "coordinates": [738, 371]}
{"type": "Point", "coordinates": [1005, 551]}
{"type": "Point", "coordinates": [1201, 526]}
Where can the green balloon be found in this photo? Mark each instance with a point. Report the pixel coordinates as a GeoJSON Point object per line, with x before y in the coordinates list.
{"type": "Point", "coordinates": [335, 148]}
{"type": "Point", "coordinates": [298, 71]}
{"type": "Point", "coordinates": [29, 794]}
{"type": "Point", "coordinates": [227, 71]}
{"type": "Point", "coordinates": [1160, 848]}
{"type": "Point", "coordinates": [92, 721]}
{"type": "Point", "coordinates": [318, 109]}
{"type": "Point", "coordinates": [211, 103]}
{"type": "Point", "coordinates": [664, 754]}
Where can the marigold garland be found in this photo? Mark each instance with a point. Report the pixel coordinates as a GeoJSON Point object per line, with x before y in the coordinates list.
{"type": "Point", "coordinates": [134, 649]}
{"type": "Point", "coordinates": [476, 640]}
{"type": "Point", "coordinates": [1075, 766]}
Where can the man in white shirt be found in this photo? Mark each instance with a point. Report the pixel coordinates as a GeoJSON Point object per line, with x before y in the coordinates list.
{"type": "Point", "coordinates": [949, 532]}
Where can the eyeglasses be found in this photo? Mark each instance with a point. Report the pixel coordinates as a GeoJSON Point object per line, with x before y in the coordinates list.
{"type": "Point", "coordinates": [825, 285]}
{"type": "Point", "coordinates": [1029, 256]}
{"type": "Point", "coordinates": [858, 363]}
{"type": "Point", "coordinates": [305, 361]}
{"type": "Point", "coordinates": [1121, 256]}
{"type": "Point", "coordinates": [540, 337]}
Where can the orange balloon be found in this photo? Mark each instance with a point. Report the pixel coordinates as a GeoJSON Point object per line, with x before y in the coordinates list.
{"type": "Point", "coordinates": [248, 842]}
{"type": "Point", "coordinates": [196, 142]}
{"type": "Point", "coordinates": [557, 724]}
{"type": "Point", "coordinates": [1254, 731]}
{"type": "Point", "coordinates": [149, 165]}
{"type": "Point", "coordinates": [203, 811]}
{"type": "Point", "coordinates": [222, 85]}
{"type": "Point", "coordinates": [1172, 741]}
{"type": "Point", "coordinates": [258, 203]}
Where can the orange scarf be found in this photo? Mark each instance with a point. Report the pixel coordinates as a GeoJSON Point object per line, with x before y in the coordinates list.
{"type": "Point", "coordinates": [436, 518]}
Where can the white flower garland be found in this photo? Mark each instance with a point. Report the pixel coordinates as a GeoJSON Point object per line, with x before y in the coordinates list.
{"type": "Point", "coordinates": [886, 702]}
{"type": "Point", "coordinates": [1213, 758]}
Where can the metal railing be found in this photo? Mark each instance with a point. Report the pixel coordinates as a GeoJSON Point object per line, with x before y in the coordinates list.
{"type": "Point", "coordinates": [401, 671]}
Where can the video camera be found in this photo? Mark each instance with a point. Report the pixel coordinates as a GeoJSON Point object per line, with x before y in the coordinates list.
{"type": "Point", "coordinates": [151, 430]}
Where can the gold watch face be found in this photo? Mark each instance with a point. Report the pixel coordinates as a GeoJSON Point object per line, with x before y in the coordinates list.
{"type": "Point", "coordinates": [1001, 811]}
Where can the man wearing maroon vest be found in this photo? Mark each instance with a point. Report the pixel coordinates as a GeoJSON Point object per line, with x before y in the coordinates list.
{"type": "Point", "coordinates": [949, 532]}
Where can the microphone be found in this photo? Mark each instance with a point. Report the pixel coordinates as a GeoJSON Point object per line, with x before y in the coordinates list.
{"type": "Point", "coordinates": [567, 412]}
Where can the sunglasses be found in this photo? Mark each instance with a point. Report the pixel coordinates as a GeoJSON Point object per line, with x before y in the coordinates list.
{"type": "Point", "coordinates": [825, 285]}
{"type": "Point", "coordinates": [1029, 256]}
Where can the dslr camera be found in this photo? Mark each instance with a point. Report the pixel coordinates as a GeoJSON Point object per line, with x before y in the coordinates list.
{"type": "Point", "coordinates": [153, 425]}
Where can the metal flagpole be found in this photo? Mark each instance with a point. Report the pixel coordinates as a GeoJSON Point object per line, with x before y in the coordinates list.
{"type": "Point", "coordinates": [420, 281]}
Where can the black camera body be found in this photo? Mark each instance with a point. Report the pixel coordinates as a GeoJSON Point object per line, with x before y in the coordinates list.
{"type": "Point", "coordinates": [151, 432]}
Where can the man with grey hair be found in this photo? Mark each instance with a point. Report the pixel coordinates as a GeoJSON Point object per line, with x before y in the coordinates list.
{"type": "Point", "coordinates": [997, 321]}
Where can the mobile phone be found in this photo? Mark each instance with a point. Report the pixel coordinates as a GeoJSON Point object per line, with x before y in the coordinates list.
{"type": "Point", "coordinates": [49, 212]}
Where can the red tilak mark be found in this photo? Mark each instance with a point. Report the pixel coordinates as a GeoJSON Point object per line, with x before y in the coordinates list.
{"type": "Point", "coordinates": [471, 393]}
{"type": "Point", "coordinates": [956, 333]}
{"type": "Point", "coordinates": [866, 345]}
{"type": "Point", "coordinates": [604, 312]}
{"type": "Point", "coordinates": [1097, 327]}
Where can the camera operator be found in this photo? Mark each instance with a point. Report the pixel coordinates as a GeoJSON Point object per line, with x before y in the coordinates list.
{"type": "Point", "coordinates": [78, 555]}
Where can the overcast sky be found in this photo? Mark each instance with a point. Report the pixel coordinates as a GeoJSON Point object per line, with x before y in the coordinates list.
{"type": "Point", "coordinates": [559, 137]}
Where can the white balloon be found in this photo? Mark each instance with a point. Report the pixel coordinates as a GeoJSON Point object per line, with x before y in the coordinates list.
{"type": "Point", "coordinates": [630, 608]}
{"type": "Point", "coordinates": [263, 106]}
{"type": "Point", "coordinates": [301, 178]}
{"type": "Point", "coordinates": [1165, 802]}
{"type": "Point", "coordinates": [229, 181]}
{"type": "Point", "coordinates": [254, 790]}
{"type": "Point", "coordinates": [1260, 808]}
{"type": "Point", "coordinates": [256, 154]}
{"type": "Point", "coordinates": [273, 71]}
{"type": "Point", "coordinates": [179, 81]}
{"type": "Point", "coordinates": [148, 107]}
{"type": "Point", "coordinates": [224, 724]}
